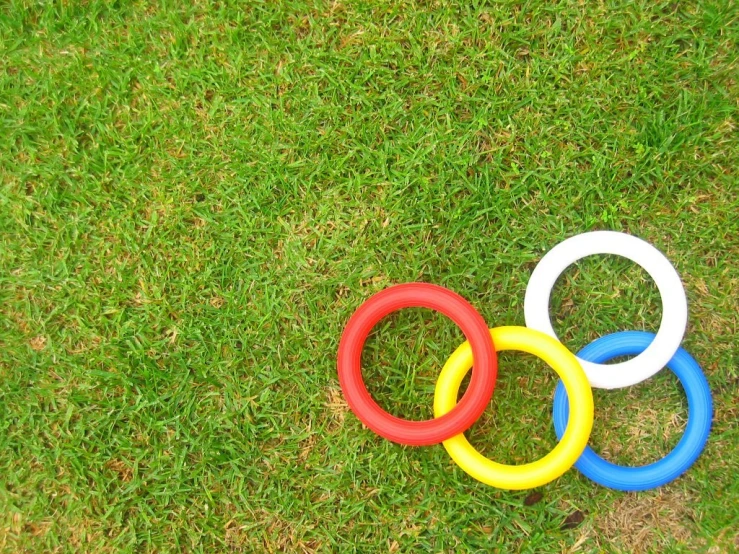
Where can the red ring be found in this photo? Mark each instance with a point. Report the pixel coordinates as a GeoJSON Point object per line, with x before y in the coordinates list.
{"type": "Point", "coordinates": [478, 394]}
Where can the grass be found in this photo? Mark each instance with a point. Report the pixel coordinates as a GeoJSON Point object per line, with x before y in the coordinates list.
{"type": "Point", "coordinates": [195, 196]}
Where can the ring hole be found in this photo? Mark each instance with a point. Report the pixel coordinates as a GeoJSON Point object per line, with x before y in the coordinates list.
{"type": "Point", "coordinates": [516, 428]}
{"type": "Point", "coordinates": [600, 295]}
{"type": "Point", "coordinates": [403, 357]}
{"type": "Point", "coordinates": [639, 425]}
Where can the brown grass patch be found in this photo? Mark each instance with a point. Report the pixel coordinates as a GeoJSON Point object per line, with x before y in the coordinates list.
{"type": "Point", "coordinates": [307, 445]}
{"type": "Point", "coordinates": [20, 321]}
{"type": "Point", "coordinates": [277, 535]}
{"type": "Point", "coordinates": [643, 522]}
{"type": "Point", "coordinates": [337, 407]}
{"type": "Point", "coordinates": [121, 469]}
{"type": "Point", "coordinates": [84, 535]}
{"type": "Point", "coordinates": [38, 343]}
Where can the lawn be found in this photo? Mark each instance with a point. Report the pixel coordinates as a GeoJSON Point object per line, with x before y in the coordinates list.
{"type": "Point", "coordinates": [195, 197]}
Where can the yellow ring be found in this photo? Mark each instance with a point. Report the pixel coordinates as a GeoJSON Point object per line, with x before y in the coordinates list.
{"type": "Point", "coordinates": [579, 424]}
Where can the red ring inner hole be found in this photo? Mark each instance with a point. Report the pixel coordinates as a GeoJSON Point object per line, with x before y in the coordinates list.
{"type": "Point", "coordinates": [402, 358]}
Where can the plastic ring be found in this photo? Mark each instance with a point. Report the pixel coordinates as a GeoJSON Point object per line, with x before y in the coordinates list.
{"type": "Point", "coordinates": [572, 443]}
{"type": "Point", "coordinates": [473, 326]}
{"type": "Point", "coordinates": [674, 304]}
{"type": "Point", "coordinates": [700, 411]}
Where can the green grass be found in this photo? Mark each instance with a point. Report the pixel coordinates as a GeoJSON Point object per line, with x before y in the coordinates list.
{"type": "Point", "coordinates": [195, 196]}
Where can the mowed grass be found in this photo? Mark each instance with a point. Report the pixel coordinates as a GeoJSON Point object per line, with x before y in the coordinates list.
{"type": "Point", "coordinates": [195, 197]}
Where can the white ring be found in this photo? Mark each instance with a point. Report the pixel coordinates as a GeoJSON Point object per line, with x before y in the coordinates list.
{"type": "Point", "coordinates": [674, 303]}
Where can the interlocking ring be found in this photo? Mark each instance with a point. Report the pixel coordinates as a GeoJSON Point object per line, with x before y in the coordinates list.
{"type": "Point", "coordinates": [674, 303]}
{"type": "Point", "coordinates": [475, 400]}
{"type": "Point", "coordinates": [580, 422]}
{"type": "Point", "coordinates": [677, 462]}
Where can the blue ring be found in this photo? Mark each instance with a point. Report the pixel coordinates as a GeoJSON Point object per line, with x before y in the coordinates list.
{"type": "Point", "coordinates": [700, 413]}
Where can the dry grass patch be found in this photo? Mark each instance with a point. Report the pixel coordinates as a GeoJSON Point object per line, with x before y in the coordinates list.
{"type": "Point", "coordinates": [646, 523]}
